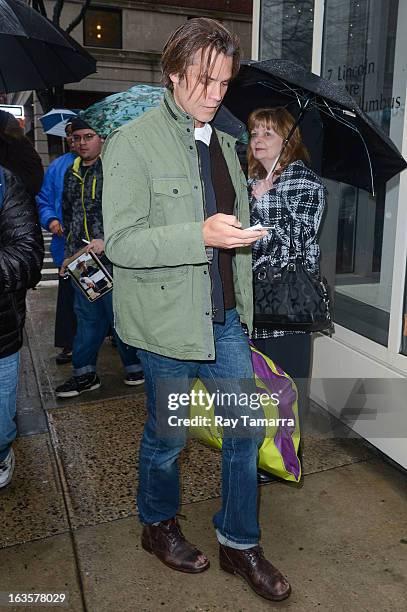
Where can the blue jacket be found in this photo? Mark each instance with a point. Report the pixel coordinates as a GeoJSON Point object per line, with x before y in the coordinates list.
{"type": "Point", "coordinates": [49, 201]}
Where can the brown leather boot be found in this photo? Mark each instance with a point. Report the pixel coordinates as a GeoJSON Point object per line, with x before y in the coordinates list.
{"type": "Point", "coordinates": [265, 579]}
{"type": "Point", "coordinates": [167, 542]}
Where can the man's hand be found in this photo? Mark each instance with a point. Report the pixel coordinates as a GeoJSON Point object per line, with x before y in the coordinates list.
{"type": "Point", "coordinates": [56, 228]}
{"type": "Point", "coordinates": [224, 232]}
{"type": "Point", "coordinates": [97, 246]}
{"type": "Point", "coordinates": [62, 270]}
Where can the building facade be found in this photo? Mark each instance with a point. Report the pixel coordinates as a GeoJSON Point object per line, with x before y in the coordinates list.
{"type": "Point", "coordinates": [126, 38]}
{"type": "Point", "coordinates": [360, 373]}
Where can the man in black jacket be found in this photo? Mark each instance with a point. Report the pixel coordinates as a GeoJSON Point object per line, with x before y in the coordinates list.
{"type": "Point", "coordinates": [21, 256]}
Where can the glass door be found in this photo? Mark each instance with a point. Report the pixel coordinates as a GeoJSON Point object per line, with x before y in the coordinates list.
{"type": "Point", "coordinates": [358, 236]}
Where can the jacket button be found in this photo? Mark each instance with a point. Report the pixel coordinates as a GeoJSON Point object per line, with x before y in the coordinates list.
{"type": "Point", "coordinates": [210, 355]}
{"type": "Point", "coordinates": [207, 313]}
{"type": "Point", "coordinates": [205, 271]}
{"type": "Point", "coordinates": [195, 186]}
{"type": "Point", "coordinates": [162, 287]}
{"type": "Point", "coordinates": [175, 191]}
{"type": "Point", "coordinates": [188, 130]}
{"type": "Point", "coordinates": [191, 147]}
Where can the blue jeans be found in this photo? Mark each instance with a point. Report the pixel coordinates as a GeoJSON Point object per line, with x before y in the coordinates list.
{"type": "Point", "coordinates": [92, 325]}
{"type": "Point", "coordinates": [158, 493]}
{"type": "Point", "coordinates": [8, 388]}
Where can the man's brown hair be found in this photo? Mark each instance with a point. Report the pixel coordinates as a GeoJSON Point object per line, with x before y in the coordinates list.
{"type": "Point", "coordinates": [281, 121]}
{"type": "Point", "coordinates": [195, 35]}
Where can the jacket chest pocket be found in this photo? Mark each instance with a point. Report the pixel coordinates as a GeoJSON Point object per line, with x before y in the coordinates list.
{"type": "Point", "coordinates": [173, 199]}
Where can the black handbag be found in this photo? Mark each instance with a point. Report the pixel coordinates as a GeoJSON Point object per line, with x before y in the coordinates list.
{"type": "Point", "coordinates": [291, 298]}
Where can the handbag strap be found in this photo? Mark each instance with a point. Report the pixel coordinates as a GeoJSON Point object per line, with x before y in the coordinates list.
{"type": "Point", "coordinates": [269, 249]}
{"type": "Point", "coordinates": [2, 186]}
{"type": "Point", "coordinates": [292, 253]}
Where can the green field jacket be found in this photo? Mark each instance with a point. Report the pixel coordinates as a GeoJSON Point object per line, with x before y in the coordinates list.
{"type": "Point", "coordinates": [153, 213]}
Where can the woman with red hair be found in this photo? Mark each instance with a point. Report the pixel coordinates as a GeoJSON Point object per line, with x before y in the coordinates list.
{"type": "Point", "coordinates": [289, 198]}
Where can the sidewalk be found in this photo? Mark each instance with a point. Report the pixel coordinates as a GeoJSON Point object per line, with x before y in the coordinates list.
{"type": "Point", "coordinates": [69, 521]}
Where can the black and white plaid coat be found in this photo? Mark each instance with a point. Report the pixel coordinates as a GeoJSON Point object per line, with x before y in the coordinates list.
{"type": "Point", "coordinates": [298, 197]}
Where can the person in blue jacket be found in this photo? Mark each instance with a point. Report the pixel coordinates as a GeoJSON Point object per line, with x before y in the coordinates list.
{"type": "Point", "coordinates": [49, 202]}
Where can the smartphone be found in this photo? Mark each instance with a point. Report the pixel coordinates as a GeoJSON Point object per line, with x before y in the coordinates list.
{"type": "Point", "coordinates": [258, 226]}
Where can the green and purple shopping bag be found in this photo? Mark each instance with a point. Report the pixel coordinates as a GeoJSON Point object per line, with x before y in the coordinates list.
{"type": "Point", "coordinates": [278, 454]}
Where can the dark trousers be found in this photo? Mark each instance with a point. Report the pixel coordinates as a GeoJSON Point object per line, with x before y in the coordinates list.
{"type": "Point", "coordinates": [93, 322]}
{"type": "Point", "coordinates": [65, 319]}
{"type": "Point", "coordinates": [293, 353]}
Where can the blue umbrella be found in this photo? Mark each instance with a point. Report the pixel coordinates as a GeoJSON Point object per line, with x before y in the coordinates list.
{"type": "Point", "coordinates": [55, 121]}
{"type": "Point", "coordinates": [117, 109]}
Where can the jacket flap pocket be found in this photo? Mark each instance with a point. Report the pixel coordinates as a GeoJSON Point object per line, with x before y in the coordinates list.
{"type": "Point", "coordinates": [160, 275]}
{"type": "Point", "coordinates": [172, 187]}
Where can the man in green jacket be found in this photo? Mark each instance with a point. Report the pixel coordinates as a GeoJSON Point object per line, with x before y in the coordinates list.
{"type": "Point", "coordinates": [174, 205]}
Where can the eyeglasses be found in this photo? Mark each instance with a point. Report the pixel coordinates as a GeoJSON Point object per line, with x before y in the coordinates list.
{"type": "Point", "coordinates": [85, 138]}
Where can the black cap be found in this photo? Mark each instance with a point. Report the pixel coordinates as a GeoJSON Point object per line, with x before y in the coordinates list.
{"type": "Point", "coordinates": [79, 124]}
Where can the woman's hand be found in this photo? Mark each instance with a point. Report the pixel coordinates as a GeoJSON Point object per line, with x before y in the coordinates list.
{"type": "Point", "coordinates": [261, 187]}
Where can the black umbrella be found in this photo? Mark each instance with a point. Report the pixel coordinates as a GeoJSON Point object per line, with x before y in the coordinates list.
{"type": "Point", "coordinates": [352, 148]}
{"type": "Point", "coordinates": [36, 54]}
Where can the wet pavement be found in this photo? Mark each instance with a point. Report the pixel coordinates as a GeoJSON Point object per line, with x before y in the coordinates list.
{"type": "Point", "coordinates": [69, 524]}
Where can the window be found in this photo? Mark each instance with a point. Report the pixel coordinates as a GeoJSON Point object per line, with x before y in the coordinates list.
{"type": "Point", "coordinates": [359, 53]}
{"type": "Point", "coordinates": [286, 28]}
{"type": "Point", "coordinates": [102, 27]}
{"type": "Point", "coordinates": [403, 348]}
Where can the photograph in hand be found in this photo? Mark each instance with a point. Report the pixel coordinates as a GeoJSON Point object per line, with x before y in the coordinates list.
{"type": "Point", "coordinates": [90, 275]}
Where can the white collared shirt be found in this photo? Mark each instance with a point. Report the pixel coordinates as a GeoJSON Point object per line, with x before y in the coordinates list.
{"type": "Point", "coordinates": [204, 133]}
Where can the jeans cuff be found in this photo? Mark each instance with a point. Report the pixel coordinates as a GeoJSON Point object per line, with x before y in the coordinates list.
{"type": "Point", "coordinates": [238, 546]}
{"type": "Point", "coordinates": [90, 369]}
{"type": "Point", "coordinates": [4, 453]}
{"type": "Point", "coordinates": [133, 368]}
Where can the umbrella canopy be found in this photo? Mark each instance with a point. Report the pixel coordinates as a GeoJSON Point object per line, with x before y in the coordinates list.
{"type": "Point", "coordinates": [34, 53]}
{"type": "Point", "coordinates": [117, 109]}
{"type": "Point", "coordinates": [353, 149]}
{"type": "Point", "coordinates": [55, 121]}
